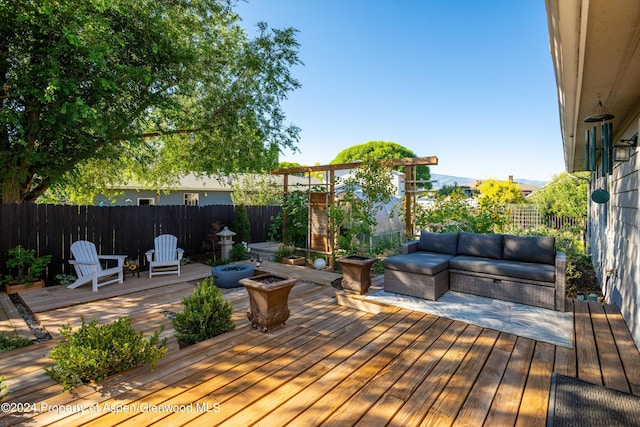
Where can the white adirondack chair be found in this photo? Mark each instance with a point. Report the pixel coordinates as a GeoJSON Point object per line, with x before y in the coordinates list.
{"type": "Point", "coordinates": [89, 269]}
{"type": "Point", "coordinates": [165, 258]}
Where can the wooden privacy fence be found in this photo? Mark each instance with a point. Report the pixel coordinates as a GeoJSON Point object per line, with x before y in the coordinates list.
{"type": "Point", "coordinates": [126, 230]}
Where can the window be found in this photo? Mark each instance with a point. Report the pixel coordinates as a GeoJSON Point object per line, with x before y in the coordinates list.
{"type": "Point", "coordinates": [142, 202]}
{"type": "Point", "coordinates": [191, 199]}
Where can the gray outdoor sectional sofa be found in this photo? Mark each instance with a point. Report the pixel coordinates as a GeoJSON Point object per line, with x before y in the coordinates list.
{"type": "Point", "coordinates": [521, 269]}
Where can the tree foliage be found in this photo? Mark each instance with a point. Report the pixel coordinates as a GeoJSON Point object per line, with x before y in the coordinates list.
{"type": "Point", "coordinates": [95, 92]}
{"type": "Point", "coordinates": [381, 150]}
{"type": "Point", "coordinates": [361, 195]}
{"type": "Point", "coordinates": [565, 195]}
{"type": "Point", "coordinates": [456, 213]}
{"type": "Point", "coordinates": [496, 192]}
{"type": "Point", "coordinates": [256, 190]}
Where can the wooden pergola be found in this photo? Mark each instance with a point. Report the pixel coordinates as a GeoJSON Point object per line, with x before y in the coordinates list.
{"type": "Point", "coordinates": [410, 188]}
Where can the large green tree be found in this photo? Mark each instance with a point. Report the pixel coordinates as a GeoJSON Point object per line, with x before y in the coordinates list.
{"type": "Point", "coordinates": [99, 91]}
{"type": "Point", "coordinates": [565, 195]}
{"type": "Point", "coordinates": [382, 150]}
{"type": "Point", "coordinates": [494, 192]}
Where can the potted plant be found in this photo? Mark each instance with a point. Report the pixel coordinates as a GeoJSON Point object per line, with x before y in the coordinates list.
{"type": "Point", "coordinates": [354, 221]}
{"type": "Point", "coordinates": [284, 254]}
{"type": "Point", "coordinates": [27, 267]}
{"type": "Point", "coordinates": [205, 315]}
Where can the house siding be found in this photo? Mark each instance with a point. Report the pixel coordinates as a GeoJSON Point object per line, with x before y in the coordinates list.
{"type": "Point", "coordinates": [130, 198]}
{"type": "Point", "coordinates": [614, 240]}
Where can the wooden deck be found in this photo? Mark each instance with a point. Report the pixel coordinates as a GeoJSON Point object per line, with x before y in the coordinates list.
{"type": "Point", "coordinates": [330, 365]}
{"type": "Point", "coordinates": [11, 320]}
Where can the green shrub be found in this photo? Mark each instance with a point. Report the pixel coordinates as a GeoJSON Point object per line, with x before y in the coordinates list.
{"type": "Point", "coordinates": [283, 251]}
{"type": "Point", "coordinates": [241, 225]}
{"type": "Point", "coordinates": [238, 251]}
{"type": "Point", "coordinates": [65, 279]}
{"type": "Point", "coordinates": [205, 315]}
{"type": "Point", "coordinates": [96, 351]}
{"type": "Point", "coordinates": [2, 387]}
{"type": "Point", "coordinates": [12, 341]}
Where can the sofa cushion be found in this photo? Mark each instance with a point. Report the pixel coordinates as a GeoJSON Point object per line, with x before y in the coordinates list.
{"type": "Point", "coordinates": [536, 249]}
{"type": "Point", "coordinates": [420, 262]}
{"type": "Point", "coordinates": [444, 243]}
{"type": "Point", "coordinates": [480, 245]}
{"type": "Point", "coordinates": [512, 269]}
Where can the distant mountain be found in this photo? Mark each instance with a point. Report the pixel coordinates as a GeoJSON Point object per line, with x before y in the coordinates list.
{"type": "Point", "coordinates": [443, 180]}
{"type": "Point", "coordinates": [531, 182]}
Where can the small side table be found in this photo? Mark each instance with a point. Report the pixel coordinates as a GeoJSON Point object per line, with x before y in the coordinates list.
{"type": "Point", "coordinates": [126, 271]}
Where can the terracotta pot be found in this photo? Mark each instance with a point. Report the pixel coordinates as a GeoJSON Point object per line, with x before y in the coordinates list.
{"type": "Point", "coordinates": [268, 300]}
{"type": "Point", "coordinates": [356, 273]}
{"type": "Point", "coordinates": [15, 287]}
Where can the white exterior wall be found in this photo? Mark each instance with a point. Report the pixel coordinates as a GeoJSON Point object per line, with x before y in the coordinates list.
{"type": "Point", "coordinates": [614, 239]}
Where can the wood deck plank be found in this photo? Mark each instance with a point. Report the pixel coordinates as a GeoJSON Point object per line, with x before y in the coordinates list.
{"type": "Point", "coordinates": [421, 401]}
{"type": "Point", "coordinates": [367, 396]}
{"type": "Point", "coordinates": [446, 407]}
{"type": "Point", "coordinates": [350, 358]}
{"type": "Point", "coordinates": [327, 406]}
{"type": "Point", "coordinates": [535, 400]}
{"type": "Point", "coordinates": [613, 374]}
{"type": "Point", "coordinates": [320, 363]}
{"type": "Point", "coordinates": [11, 320]}
{"type": "Point", "coordinates": [506, 403]}
{"type": "Point", "coordinates": [329, 363]}
{"type": "Point", "coordinates": [478, 402]}
{"type": "Point", "coordinates": [586, 351]}
{"type": "Point", "coordinates": [627, 350]}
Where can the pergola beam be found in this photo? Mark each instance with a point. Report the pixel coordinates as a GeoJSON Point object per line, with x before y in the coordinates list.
{"type": "Point", "coordinates": [409, 161]}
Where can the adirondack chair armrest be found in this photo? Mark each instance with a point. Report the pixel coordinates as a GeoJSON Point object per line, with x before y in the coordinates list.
{"type": "Point", "coordinates": [76, 261]}
{"type": "Point", "coordinates": [119, 258]}
{"type": "Point", "coordinates": [180, 253]}
{"type": "Point", "coordinates": [80, 262]}
{"type": "Point", "coordinates": [149, 254]}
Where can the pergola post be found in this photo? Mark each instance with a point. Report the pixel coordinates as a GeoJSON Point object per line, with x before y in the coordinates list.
{"type": "Point", "coordinates": [410, 163]}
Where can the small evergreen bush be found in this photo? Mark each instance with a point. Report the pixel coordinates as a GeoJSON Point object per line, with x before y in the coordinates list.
{"type": "Point", "coordinates": [96, 351]}
{"type": "Point", "coordinates": [241, 225]}
{"type": "Point", "coordinates": [239, 251]}
{"type": "Point", "coordinates": [12, 341]}
{"type": "Point", "coordinates": [205, 315]}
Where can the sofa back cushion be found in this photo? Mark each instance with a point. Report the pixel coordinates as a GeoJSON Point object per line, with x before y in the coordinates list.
{"type": "Point", "coordinates": [443, 243]}
{"type": "Point", "coordinates": [480, 245]}
{"type": "Point", "coordinates": [535, 249]}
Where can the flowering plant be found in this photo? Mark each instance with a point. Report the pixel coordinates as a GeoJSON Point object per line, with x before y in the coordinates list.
{"type": "Point", "coordinates": [130, 264]}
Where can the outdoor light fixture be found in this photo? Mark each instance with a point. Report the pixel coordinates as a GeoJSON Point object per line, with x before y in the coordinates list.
{"type": "Point", "coordinates": [622, 153]}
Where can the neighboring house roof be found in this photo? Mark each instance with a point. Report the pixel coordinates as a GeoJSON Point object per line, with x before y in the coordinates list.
{"type": "Point", "coordinates": [191, 182]}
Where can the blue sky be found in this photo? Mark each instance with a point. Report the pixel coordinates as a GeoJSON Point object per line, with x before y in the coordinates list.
{"type": "Point", "coordinates": [468, 81]}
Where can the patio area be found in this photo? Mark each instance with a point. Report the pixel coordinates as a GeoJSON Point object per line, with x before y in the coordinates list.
{"type": "Point", "coordinates": [330, 364]}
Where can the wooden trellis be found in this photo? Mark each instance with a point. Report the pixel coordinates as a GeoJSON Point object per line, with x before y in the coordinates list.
{"type": "Point", "coordinates": [320, 236]}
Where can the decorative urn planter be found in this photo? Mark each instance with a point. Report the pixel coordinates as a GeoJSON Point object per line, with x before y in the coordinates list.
{"type": "Point", "coordinates": [268, 300]}
{"type": "Point", "coordinates": [356, 273]}
{"type": "Point", "coordinates": [293, 260]}
{"type": "Point", "coordinates": [229, 275]}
